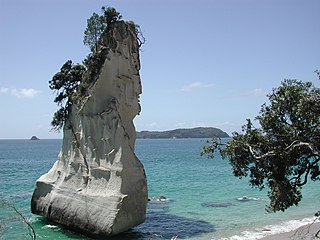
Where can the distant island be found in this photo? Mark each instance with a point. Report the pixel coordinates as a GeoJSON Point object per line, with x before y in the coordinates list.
{"type": "Point", "coordinates": [199, 132]}
{"type": "Point", "coordinates": [34, 138]}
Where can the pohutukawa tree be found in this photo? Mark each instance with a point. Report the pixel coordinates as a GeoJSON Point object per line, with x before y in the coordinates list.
{"type": "Point", "coordinates": [284, 152]}
{"type": "Point", "coordinates": [65, 83]}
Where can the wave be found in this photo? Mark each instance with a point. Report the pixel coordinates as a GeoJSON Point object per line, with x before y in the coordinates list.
{"type": "Point", "coordinates": [283, 227]}
{"type": "Point", "coordinates": [245, 198]}
{"type": "Point", "coordinates": [50, 226]}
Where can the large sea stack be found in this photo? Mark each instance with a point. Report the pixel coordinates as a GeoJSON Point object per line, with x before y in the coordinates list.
{"type": "Point", "coordinates": [98, 185]}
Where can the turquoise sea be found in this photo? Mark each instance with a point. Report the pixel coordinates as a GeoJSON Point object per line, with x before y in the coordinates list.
{"type": "Point", "coordinates": [201, 194]}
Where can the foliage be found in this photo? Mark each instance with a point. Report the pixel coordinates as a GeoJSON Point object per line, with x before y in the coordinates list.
{"type": "Point", "coordinates": [59, 118]}
{"type": "Point", "coordinates": [93, 64]}
{"type": "Point", "coordinates": [98, 27]}
{"type": "Point", "coordinates": [98, 24]}
{"type": "Point", "coordinates": [74, 80]}
{"type": "Point", "coordinates": [110, 15]}
{"type": "Point", "coordinates": [283, 154]}
{"type": "Point", "coordinates": [65, 83]}
{"type": "Point", "coordinates": [95, 28]}
{"type": "Point", "coordinates": [96, 35]}
{"type": "Point", "coordinates": [137, 30]}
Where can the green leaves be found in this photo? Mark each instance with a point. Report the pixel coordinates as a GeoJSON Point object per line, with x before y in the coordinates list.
{"type": "Point", "coordinates": [98, 24]}
{"type": "Point", "coordinates": [283, 153]}
{"type": "Point", "coordinates": [65, 83]}
{"type": "Point", "coordinates": [95, 27]}
{"type": "Point", "coordinates": [59, 118]}
{"type": "Point", "coordinates": [73, 80]}
{"type": "Point", "coordinates": [110, 15]}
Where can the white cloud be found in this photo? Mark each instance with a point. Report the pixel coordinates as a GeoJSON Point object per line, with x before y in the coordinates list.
{"type": "Point", "coordinates": [21, 93]}
{"type": "Point", "coordinates": [24, 92]}
{"type": "Point", "coordinates": [257, 92]}
{"type": "Point", "coordinates": [195, 85]}
{"type": "Point", "coordinates": [4, 90]}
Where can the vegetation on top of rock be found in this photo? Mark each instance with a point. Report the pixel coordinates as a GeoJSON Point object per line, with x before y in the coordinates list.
{"type": "Point", "coordinates": [65, 83]}
{"type": "Point", "coordinates": [72, 82]}
{"type": "Point", "coordinates": [200, 132]}
{"type": "Point", "coordinates": [97, 25]}
{"type": "Point", "coordinates": [284, 153]}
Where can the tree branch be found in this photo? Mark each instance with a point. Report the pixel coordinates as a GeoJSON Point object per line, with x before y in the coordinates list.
{"type": "Point", "coordinates": [263, 156]}
{"type": "Point", "coordinates": [297, 143]}
{"type": "Point", "coordinates": [305, 177]}
{"type": "Point", "coordinates": [32, 232]}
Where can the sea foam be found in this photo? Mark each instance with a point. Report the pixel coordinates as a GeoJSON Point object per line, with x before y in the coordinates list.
{"type": "Point", "coordinates": [283, 227]}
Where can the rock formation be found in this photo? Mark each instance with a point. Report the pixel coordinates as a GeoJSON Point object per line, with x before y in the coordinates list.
{"type": "Point", "coordinates": [34, 138]}
{"type": "Point", "coordinates": [98, 185]}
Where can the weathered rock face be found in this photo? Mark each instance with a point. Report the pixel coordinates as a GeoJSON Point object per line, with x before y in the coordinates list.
{"type": "Point", "coordinates": [98, 185]}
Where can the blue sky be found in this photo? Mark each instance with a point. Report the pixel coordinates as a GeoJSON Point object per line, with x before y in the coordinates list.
{"type": "Point", "coordinates": [204, 63]}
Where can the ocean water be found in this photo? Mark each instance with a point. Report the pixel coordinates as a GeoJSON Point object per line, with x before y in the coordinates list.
{"type": "Point", "coordinates": [201, 195]}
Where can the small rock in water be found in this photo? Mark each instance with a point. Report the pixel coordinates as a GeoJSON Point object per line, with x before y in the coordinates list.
{"type": "Point", "coordinates": [244, 199]}
{"type": "Point", "coordinates": [159, 203]}
{"type": "Point", "coordinates": [160, 199]}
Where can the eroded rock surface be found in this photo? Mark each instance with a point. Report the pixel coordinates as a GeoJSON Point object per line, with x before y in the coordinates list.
{"type": "Point", "coordinates": [98, 185]}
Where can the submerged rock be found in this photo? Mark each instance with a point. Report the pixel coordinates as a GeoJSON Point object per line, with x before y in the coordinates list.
{"type": "Point", "coordinates": [98, 185]}
{"type": "Point", "coordinates": [216, 204]}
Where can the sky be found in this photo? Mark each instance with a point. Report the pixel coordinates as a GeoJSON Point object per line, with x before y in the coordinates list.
{"type": "Point", "coordinates": [204, 63]}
